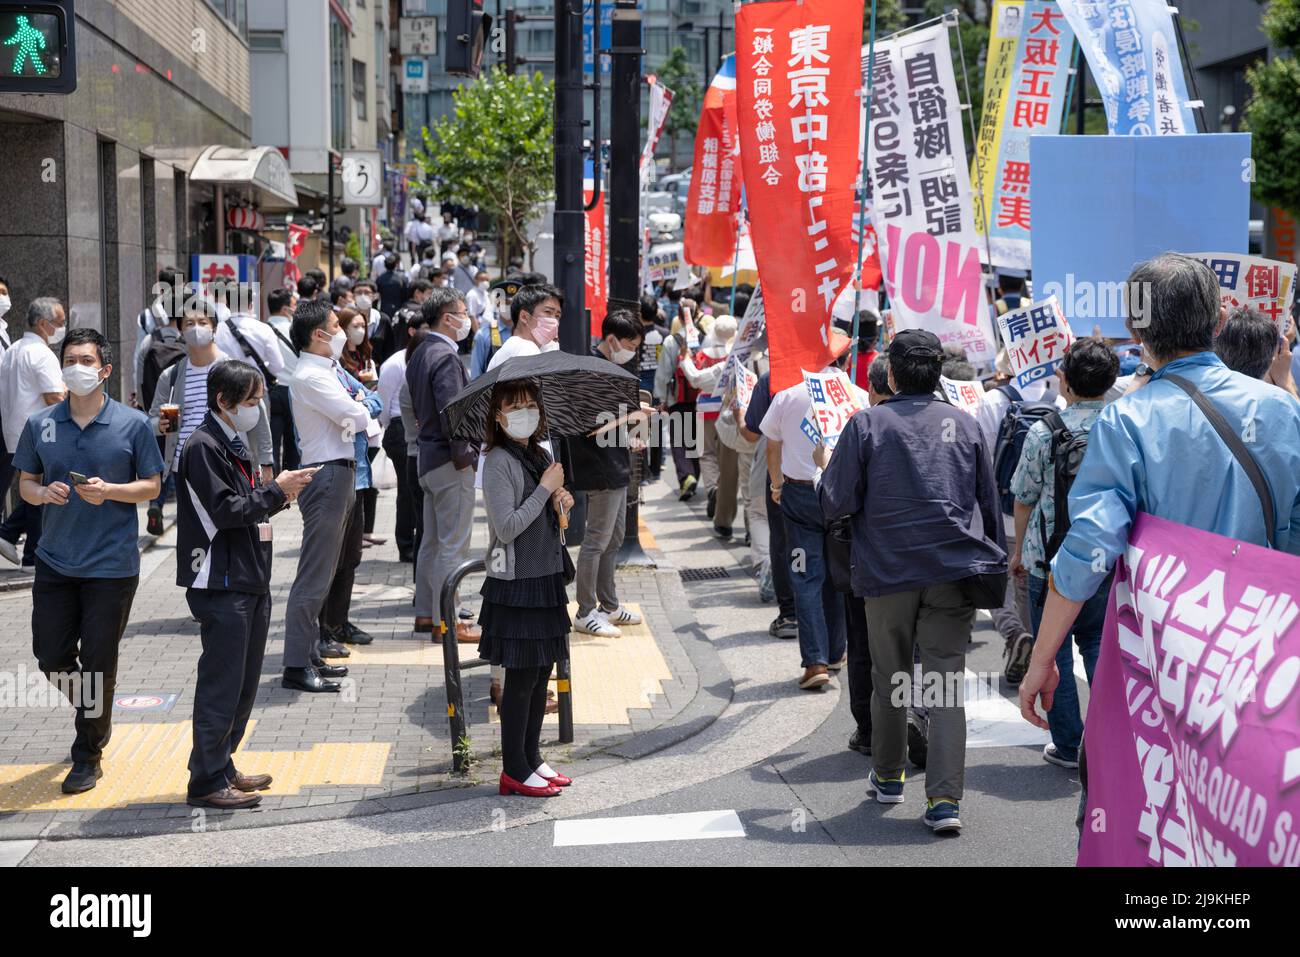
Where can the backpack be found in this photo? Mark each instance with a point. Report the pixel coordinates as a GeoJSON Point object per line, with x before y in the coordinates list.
{"type": "Point", "coordinates": [1019, 417]}
{"type": "Point", "coordinates": [166, 348]}
{"type": "Point", "coordinates": [1068, 449]}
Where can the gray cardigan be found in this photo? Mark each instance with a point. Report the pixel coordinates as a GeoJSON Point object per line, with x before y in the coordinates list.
{"type": "Point", "coordinates": [521, 541]}
{"type": "Point", "coordinates": [171, 391]}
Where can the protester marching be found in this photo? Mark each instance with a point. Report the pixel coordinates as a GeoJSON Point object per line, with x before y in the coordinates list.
{"type": "Point", "coordinates": [886, 426]}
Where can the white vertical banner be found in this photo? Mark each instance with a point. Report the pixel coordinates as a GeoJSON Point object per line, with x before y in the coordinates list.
{"type": "Point", "coordinates": [922, 206]}
{"type": "Point", "coordinates": [661, 101]}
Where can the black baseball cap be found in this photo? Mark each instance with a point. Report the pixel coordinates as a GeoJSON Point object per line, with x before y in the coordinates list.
{"type": "Point", "coordinates": [915, 343]}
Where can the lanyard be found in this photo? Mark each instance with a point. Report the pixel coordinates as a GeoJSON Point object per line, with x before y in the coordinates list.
{"type": "Point", "coordinates": [240, 465]}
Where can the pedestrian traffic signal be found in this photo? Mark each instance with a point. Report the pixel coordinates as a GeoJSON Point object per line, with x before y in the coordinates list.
{"type": "Point", "coordinates": [37, 51]}
{"type": "Point", "coordinates": [467, 34]}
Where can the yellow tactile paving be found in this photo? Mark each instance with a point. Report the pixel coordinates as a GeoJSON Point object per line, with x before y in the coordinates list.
{"type": "Point", "coordinates": [612, 675]}
{"type": "Point", "coordinates": [644, 535]}
{"type": "Point", "coordinates": [147, 764]}
{"type": "Point", "coordinates": [400, 651]}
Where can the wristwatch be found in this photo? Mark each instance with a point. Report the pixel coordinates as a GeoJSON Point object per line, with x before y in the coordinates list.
{"type": "Point", "coordinates": [1143, 370]}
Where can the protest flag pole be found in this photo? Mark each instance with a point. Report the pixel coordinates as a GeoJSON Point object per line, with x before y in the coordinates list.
{"type": "Point", "coordinates": [862, 191]}
{"type": "Point", "coordinates": [969, 109]}
{"type": "Point", "coordinates": [1198, 105]}
{"type": "Point", "coordinates": [1069, 91]}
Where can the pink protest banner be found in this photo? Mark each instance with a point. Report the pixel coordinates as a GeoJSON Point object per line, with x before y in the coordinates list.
{"type": "Point", "coordinates": [1193, 731]}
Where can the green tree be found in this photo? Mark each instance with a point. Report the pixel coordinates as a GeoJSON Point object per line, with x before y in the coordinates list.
{"type": "Point", "coordinates": [890, 18]}
{"type": "Point", "coordinates": [495, 151]}
{"type": "Point", "coordinates": [678, 75]}
{"type": "Point", "coordinates": [1271, 114]}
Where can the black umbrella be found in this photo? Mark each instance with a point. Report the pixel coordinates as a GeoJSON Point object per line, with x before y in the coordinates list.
{"type": "Point", "coordinates": [578, 394]}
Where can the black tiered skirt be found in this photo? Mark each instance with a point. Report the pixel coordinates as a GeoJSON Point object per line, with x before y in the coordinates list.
{"type": "Point", "coordinates": [525, 623]}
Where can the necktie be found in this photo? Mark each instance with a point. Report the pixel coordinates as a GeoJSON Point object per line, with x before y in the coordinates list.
{"type": "Point", "coordinates": [238, 447]}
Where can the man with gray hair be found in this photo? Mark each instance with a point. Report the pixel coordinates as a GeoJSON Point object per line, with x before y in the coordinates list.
{"type": "Point", "coordinates": [30, 380]}
{"type": "Point", "coordinates": [1159, 450]}
{"type": "Point", "coordinates": [1250, 343]}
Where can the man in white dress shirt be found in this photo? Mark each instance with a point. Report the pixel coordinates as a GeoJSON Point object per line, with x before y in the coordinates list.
{"type": "Point", "coordinates": [328, 419]}
{"type": "Point", "coordinates": [30, 379]}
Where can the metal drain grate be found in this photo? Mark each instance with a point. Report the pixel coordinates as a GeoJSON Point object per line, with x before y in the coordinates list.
{"type": "Point", "coordinates": [708, 573]}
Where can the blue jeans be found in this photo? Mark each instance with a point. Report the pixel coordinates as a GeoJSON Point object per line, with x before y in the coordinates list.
{"type": "Point", "coordinates": [818, 607]}
{"type": "Point", "coordinates": [1063, 720]}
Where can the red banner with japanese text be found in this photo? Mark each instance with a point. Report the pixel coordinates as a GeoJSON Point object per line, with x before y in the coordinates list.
{"type": "Point", "coordinates": [595, 268]}
{"type": "Point", "coordinates": [798, 77]}
{"type": "Point", "coordinates": [713, 202]}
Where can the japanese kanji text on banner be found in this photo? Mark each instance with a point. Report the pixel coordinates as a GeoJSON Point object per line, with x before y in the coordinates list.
{"type": "Point", "coordinates": [1025, 83]}
{"type": "Point", "coordinates": [1193, 734]}
{"type": "Point", "coordinates": [924, 216]}
{"type": "Point", "coordinates": [1036, 338]}
{"type": "Point", "coordinates": [798, 79]}
{"type": "Point", "coordinates": [1132, 50]}
{"type": "Point", "coordinates": [714, 198]}
{"type": "Point", "coordinates": [1263, 284]}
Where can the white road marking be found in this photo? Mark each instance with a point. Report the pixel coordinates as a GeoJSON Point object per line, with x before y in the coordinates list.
{"type": "Point", "coordinates": [12, 853]}
{"type": "Point", "coordinates": [646, 828]}
{"type": "Point", "coordinates": [993, 721]}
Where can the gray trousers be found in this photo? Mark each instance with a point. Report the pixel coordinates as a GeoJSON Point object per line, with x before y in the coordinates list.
{"type": "Point", "coordinates": [939, 619]}
{"type": "Point", "coordinates": [448, 518]}
{"type": "Point", "coordinates": [326, 505]}
{"type": "Point", "coordinates": [1012, 619]}
{"type": "Point", "coordinates": [601, 540]}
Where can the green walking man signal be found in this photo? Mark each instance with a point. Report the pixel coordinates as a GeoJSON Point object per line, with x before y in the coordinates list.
{"type": "Point", "coordinates": [38, 52]}
{"type": "Point", "coordinates": [29, 41]}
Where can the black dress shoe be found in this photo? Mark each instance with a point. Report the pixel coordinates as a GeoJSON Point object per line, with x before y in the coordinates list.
{"type": "Point", "coordinates": [82, 777]}
{"type": "Point", "coordinates": [352, 635]}
{"type": "Point", "coordinates": [330, 648]}
{"type": "Point", "coordinates": [723, 532]}
{"type": "Point", "coordinates": [307, 679]}
{"type": "Point", "coordinates": [860, 742]}
{"type": "Point", "coordinates": [713, 503]}
{"type": "Point", "coordinates": [329, 671]}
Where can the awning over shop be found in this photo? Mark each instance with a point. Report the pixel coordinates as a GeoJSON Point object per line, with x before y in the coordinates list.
{"type": "Point", "coordinates": [262, 169]}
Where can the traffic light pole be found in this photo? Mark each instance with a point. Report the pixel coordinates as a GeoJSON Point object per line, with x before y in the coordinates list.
{"type": "Point", "coordinates": [570, 258]}
{"type": "Point", "coordinates": [625, 216]}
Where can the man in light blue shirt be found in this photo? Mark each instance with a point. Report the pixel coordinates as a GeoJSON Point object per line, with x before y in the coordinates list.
{"type": "Point", "coordinates": [1155, 451]}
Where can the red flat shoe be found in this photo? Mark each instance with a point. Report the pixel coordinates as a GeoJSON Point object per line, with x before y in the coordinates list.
{"type": "Point", "coordinates": [510, 786]}
{"type": "Point", "coordinates": [559, 781]}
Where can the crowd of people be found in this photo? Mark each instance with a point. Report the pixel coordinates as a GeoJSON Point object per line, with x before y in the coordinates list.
{"type": "Point", "coordinates": [877, 551]}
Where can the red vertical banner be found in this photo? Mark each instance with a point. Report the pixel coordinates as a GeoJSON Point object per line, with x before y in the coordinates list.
{"type": "Point", "coordinates": [714, 199]}
{"type": "Point", "coordinates": [798, 78]}
{"type": "Point", "coordinates": [595, 270]}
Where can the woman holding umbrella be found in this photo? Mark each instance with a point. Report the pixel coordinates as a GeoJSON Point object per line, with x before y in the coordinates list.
{"type": "Point", "coordinates": [524, 617]}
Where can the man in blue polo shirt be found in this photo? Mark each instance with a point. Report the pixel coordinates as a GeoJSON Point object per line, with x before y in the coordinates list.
{"type": "Point", "coordinates": [91, 460]}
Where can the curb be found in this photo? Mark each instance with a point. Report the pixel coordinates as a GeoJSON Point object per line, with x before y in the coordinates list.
{"type": "Point", "coordinates": [714, 693]}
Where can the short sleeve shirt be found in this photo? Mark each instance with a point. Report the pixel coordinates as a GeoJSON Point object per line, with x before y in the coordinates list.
{"type": "Point", "coordinates": [28, 369]}
{"type": "Point", "coordinates": [1035, 481]}
{"type": "Point", "coordinates": [79, 539]}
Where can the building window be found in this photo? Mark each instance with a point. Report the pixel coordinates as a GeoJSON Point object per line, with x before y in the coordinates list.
{"type": "Point", "coordinates": [266, 41]}
{"type": "Point", "coordinates": [338, 84]}
{"type": "Point", "coordinates": [359, 88]}
{"type": "Point", "coordinates": [656, 42]}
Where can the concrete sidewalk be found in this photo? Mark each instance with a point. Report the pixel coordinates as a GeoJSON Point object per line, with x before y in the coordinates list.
{"type": "Point", "coordinates": [382, 745]}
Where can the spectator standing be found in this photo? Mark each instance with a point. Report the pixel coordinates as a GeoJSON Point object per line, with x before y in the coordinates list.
{"type": "Point", "coordinates": [88, 561]}
{"type": "Point", "coordinates": [30, 380]}
{"type": "Point", "coordinates": [284, 439]}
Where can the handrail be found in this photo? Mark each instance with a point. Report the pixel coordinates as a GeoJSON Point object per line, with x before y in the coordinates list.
{"type": "Point", "coordinates": [452, 666]}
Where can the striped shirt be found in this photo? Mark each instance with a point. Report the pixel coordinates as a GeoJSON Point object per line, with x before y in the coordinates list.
{"type": "Point", "coordinates": [194, 405]}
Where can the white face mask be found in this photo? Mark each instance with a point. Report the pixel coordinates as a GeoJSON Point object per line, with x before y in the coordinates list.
{"type": "Point", "coordinates": [337, 342]}
{"type": "Point", "coordinates": [5, 304]}
{"type": "Point", "coordinates": [483, 286]}
{"type": "Point", "coordinates": [364, 303]}
{"type": "Point", "coordinates": [57, 336]}
{"type": "Point", "coordinates": [198, 335]}
{"type": "Point", "coordinates": [522, 423]}
{"type": "Point", "coordinates": [245, 417]}
{"type": "Point", "coordinates": [622, 356]}
{"type": "Point", "coordinates": [355, 336]}
{"type": "Point", "coordinates": [81, 380]}
{"type": "Point", "coordinates": [463, 329]}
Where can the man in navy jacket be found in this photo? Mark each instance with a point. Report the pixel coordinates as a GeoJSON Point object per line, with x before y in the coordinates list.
{"type": "Point", "coordinates": [914, 474]}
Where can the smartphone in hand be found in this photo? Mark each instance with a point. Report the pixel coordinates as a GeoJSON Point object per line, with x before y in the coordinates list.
{"type": "Point", "coordinates": [77, 478]}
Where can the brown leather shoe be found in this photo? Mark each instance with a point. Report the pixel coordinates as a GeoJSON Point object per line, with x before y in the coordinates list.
{"type": "Point", "coordinates": [468, 633]}
{"type": "Point", "coordinates": [250, 782]}
{"type": "Point", "coordinates": [424, 626]}
{"type": "Point", "coordinates": [814, 677]}
{"type": "Point", "coordinates": [227, 799]}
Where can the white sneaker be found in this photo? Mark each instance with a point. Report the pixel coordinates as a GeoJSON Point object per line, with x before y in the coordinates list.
{"type": "Point", "coordinates": [594, 624]}
{"type": "Point", "coordinates": [621, 616]}
{"type": "Point", "coordinates": [10, 551]}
